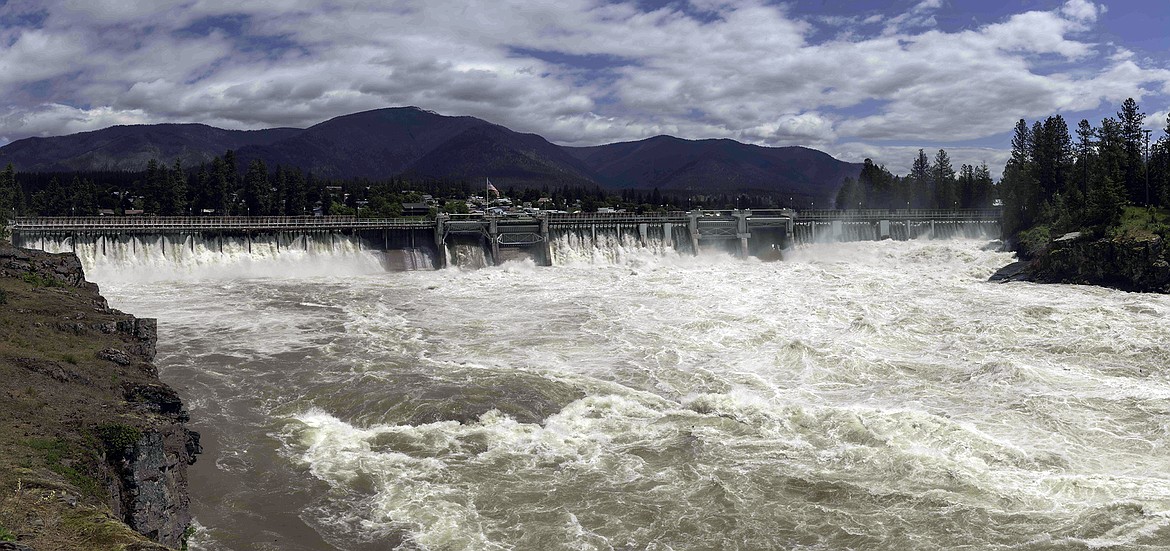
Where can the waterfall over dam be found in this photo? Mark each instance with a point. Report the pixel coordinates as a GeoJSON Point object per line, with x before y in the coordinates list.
{"type": "Point", "coordinates": [304, 244]}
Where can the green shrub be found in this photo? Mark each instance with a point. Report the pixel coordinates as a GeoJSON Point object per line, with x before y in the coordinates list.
{"type": "Point", "coordinates": [38, 280]}
{"type": "Point", "coordinates": [3, 296]}
{"type": "Point", "coordinates": [118, 438]}
{"type": "Point", "coordinates": [6, 534]}
{"type": "Point", "coordinates": [1034, 240]}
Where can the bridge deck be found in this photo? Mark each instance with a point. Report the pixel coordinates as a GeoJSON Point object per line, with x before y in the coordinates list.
{"type": "Point", "coordinates": [216, 223]}
{"type": "Point", "coordinates": [146, 224]}
{"type": "Point", "coordinates": [898, 214]}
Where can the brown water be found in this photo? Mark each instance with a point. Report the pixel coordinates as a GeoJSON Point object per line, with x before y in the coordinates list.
{"type": "Point", "coordinates": [855, 396]}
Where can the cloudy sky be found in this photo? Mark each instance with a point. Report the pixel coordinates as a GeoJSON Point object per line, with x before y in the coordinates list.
{"type": "Point", "coordinates": [857, 79]}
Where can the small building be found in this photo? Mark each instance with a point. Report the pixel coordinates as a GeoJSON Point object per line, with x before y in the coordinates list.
{"type": "Point", "coordinates": [415, 209]}
{"type": "Point", "coordinates": [105, 212]}
{"type": "Point", "coordinates": [133, 212]}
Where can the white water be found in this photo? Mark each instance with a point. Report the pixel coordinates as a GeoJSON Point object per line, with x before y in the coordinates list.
{"type": "Point", "coordinates": [856, 396]}
{"type": "Point", "coordinates": [158, 258]}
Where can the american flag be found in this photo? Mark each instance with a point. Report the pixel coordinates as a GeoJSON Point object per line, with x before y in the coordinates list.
{"type": "Point", "coordinates": [490, 187]}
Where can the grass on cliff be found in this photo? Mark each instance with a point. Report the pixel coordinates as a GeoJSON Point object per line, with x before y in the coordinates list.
{"type": "Point", "coordinates": [1141, 223]}
{"type": "Point", "coordinates": [62, 411]}
{"type": "Point", "coordinates": [1136, 224]}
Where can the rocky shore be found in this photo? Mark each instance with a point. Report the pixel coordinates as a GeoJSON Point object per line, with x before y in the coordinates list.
{"type": "Point", "coordinates": [93, 447]}
{"type": "Point", "coordinates": [1138, 263]}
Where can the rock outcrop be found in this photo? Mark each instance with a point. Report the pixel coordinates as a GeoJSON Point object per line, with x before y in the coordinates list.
{"type": "Point", "coordinates": [1130, 263]}
{"type": "Point", "coordinates": [92, 444]}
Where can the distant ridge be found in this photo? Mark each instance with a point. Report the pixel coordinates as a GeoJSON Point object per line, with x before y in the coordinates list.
{"type": "Point", "coordinates": [667, 162]}
{"type": "Point", "coordinates": [130, 147]}
{"type": "Point", "coordinates": [415, 143]}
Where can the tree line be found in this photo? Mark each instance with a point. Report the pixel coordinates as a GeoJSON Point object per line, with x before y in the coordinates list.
{"type": "Point", "coordinates": [1063, 184]}
{"type": "Point", "coordinates": [929, 185]}
{"type": "Point", "coordinates": [220, 187]}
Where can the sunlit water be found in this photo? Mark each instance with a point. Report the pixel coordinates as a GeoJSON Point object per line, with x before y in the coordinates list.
{"type": "Point", "coordinates": [855, 396]}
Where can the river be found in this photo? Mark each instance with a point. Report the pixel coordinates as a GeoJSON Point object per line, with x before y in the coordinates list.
{"type": "Point", "coordinates": [877, 395]}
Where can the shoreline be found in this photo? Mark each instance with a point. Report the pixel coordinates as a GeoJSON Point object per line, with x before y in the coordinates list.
{"type": "Point", "coordinates": [1129, 263]}
{"type": "Point", "coordinates": [95, 447]}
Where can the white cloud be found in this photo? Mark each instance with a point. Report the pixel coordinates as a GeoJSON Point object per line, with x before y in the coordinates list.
{"type": "Point", "coordinates": [55, 119]}
{"type": "Point", "coordinates": [579, 72]}
{"type": "Point", "coordinates": [1082, 10]}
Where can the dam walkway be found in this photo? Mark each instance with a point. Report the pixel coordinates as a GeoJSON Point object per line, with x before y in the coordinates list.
{"type": "Point", "coordinates": [744, 232]}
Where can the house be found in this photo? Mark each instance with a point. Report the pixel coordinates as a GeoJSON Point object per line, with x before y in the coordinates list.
{"type": "Point", "coordinates": [415, 209]}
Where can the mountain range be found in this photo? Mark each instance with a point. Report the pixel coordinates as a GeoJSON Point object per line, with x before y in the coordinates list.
{"type": "Point", "coordinates": [414, 143]}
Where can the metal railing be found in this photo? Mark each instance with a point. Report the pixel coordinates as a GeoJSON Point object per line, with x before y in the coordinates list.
{"type": "Point", "coordinates": [901, 214]}
{"type": "Point", "coordinates": [243, 223]}
{"type": "Point", "coordinates": [147, 223]}
{"type": "Point", "coordinates": [616, 217]}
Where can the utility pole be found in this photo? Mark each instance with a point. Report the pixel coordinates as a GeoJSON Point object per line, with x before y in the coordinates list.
{"type": "Point", "coordinates": [1147, 166]}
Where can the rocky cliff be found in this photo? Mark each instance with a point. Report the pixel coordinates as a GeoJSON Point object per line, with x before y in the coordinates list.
{"type": "Point", "coordinates": [93, 447]}
{"type": "Point", "coordinates": [1130, 263]}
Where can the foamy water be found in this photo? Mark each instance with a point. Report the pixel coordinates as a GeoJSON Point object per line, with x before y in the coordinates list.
{"type": "Point", "coordinates": [855, 396]}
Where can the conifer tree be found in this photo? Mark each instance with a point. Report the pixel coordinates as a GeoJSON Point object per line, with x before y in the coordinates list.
{"type": "Point", "coordinates": [256, 189]}
{"type": "Point", "coordinates": [1130, 120]}
{"type": "Point", "coordinates": [920, 181]}
{"type": "Point", "coordinates": [174, 197]}
{"type": "Point", "coordinates": [11, 198]}
{"type": "Point", "coordinates": [220, 188]}
{"type": "Point", "coordinates": [943, 181]}
{"type": "Point", "coordinates": [1018, 187]}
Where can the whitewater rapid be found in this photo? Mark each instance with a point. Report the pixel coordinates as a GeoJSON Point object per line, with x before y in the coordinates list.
{"type": "Point", "coordinates": [873, 395]}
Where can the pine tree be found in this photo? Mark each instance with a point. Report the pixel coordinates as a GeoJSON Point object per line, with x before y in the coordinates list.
{"type": "Point", "coordinates": [851, 195]}
{"type": "Point", "coordinates": [876, 186]}
{"type": "Point", "coordinates": [154, 188]}
{"type": "Point", "coordinates": [920, 182]}
{"type": "Point", "coordinates": [1160, 166]}
{"type": "Point", "coordinates": [298, 201]}
{"type": "Point", "coordinates": [1107, 194]}
{"type": "Point", "coordinates": [1085, 150]}
{"type": "Point", "coordinates": [174, 197]}
{"type": "Point", "coordinates": [53, 200]}
{"type": "Point", "coordinates": [220, 188]}
{"type": "Point", "coordinates": [1018, 188]}
{"type": "Point", "coordinates": [277, 207]}
{"type": "Point", "coordinates": [943, 181]}
{"type": "Point", "coordinates": [1130, 119]}
{"type": "Point", "coordinates": [256, 189]}
{"type": "Point", "coordinates": [965, 184]}
{"type": "Point", "coordinates": [83, 197]}
{"type": "Point", "coordinates": [11, 199]}
{"type": "Point", "coordinates": [984, 187]}
{"type": "Point", "coordinates": [1052, 153]}
{"type": "Point", "coordinates": [201, 191]}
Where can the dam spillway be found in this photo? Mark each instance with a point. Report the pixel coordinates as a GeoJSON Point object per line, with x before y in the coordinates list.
{"type": "Point", "coordinates": [476, 241]}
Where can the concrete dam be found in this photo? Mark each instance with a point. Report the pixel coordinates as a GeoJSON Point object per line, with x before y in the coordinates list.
{"type": "Point", "coordinates": [476, 241]}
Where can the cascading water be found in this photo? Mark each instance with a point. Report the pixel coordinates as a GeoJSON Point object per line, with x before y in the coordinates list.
{"type": "Point", "coordinates": [467, 256]}
{"type": "Point", "coordinates": [809, 232]}
{"type": "Point", "coordinates": [612, 245]}
{"type": "Point", "coordinates": [863, 395]}
{"type": "Point", "coordinates": [166, 257]}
